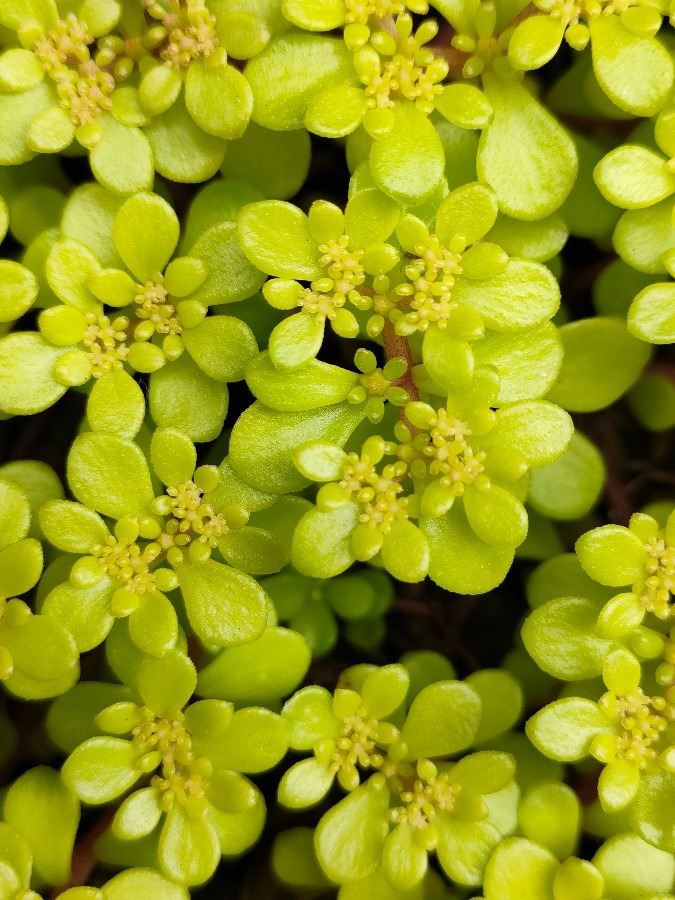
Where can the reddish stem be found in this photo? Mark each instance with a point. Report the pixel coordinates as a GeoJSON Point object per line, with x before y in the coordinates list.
{"type": "Point", "coordinates": [397, 345]}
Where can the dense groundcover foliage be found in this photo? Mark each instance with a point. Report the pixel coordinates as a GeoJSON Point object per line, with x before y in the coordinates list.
{"type": "Point", "coordinates": [337, 498]}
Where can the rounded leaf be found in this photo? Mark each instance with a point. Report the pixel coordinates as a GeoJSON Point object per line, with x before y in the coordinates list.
{"type": "Point", "coordinates": [275, 237]}
{"type": "Point", "coordinates": [188, 850]}
{"type": "Point", "coordinates": [109, 474]}
{"type": "Point", "coordinates": [565, 728]}
{"type": "Point", "coordinates": [139, 216]}
{"type": "Point", "coordinates": [444, 718]}
{"type": "Point", "coordinates": [350, 836]}
{"type": "Point", "coordinates": [408, 163]}
{"type": "Point", "coordinates": [116, 405]}
{"type": "Point", "coordinates": [225, 607]}
{"type": "Point", "coordinates": [525, 155]}
{"type": "Point", "coordinates": [101, 769]}
{"type": "Point", "coordinates": [43, 810]}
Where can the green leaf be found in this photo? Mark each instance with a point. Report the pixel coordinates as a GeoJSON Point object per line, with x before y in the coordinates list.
{"type": "Point", "coordinates": [617, 52]}
{"type": "Point", "coordinates": [188, 850]}
{"type": "Point", "coordinates": [408, 163]}
{"type": "Point", "coordinates": [464, 848]}
{"type": "Point", "coordinates": [350, 837]}
{"type": "Point", "coordinates": [84, 611]}
{"type": "Point", "coordinates": [268, 668]}
{"type": "Point", "coordinates": [101, 769]}
{"type": "Point", "coordinates": [153, 625]}
{"type": "Point", "coordinates": [253, 550]}
{"type": "Point", "coordinates": [296, 341]}
{"type": "Point", "coordinates": [38, 481]}
{"type": "Point", "coordinates": [464, 105]}
{"type": "Point", "coordinates": [139, 216]}
{"type": "Point", "coordinates": [27, 383]}
{"type": "Point", "coordinates": [560, 637]}
{"type": "Point", "coordinates": [68, 269]}
{"type": "Point", "coordinates": [618, 784]}
{"type": "Point", "coordinates": [173, 456]}
{"type": "Point", "coordinates": [216, 202]}
{"type": "Point", "coordinates": [88, 218]}
{"type": "Point", "coordinates": [322, 541]}
{"type": "Point", "coordinates": [229, 117]}
{"type": "Point", "coordinates": [460, 560]}
{"type": "Point", "coordinates": [182, 396]}
{"type": "Point", "coordinates": [21, 567]}
{"type": "Point", "coordinates": [565, 728]}
{"type": "Point", "coordinates": [535, 42]}
{"type": "Point", "coordinates": [71, 526]}
{"type": "Point", "coordinates": [51, 131]}
{"type": "Point", "coordinates": [651, 316]}
{"type": "Point", "coordinates": [588, 379]}
{"type": "Point", "coordinates": [612, 555]}
{"type": "Point", "coordinates": [550, 813]}
{"type": "Point", "coordinates": [443, 719]}
{"type": "Point", "coordinates": [570, 487]}
{"type": "Point", "coordinates": [384, 690]}
{"type": "Point", "coordinates": [469, 211]}
{"type": "Point", "coordinates": [122, 159]}
{"type": "Point", "coordinates": [109, 474]}
{"type": "Point", "coordinates": [166, 682]}
{"type": "Point", "coordinates": [17, 856]}
{"type": "Point", "coordinates": [642, 236]}
{"type": "Point", "coordinates": [405, 552]}
{"type": "Point", "coordinates": [632, 176]}
{"type": "Point", "coordinates": [502, 702]}
{"type": "Point", "coordinates": [222, 347]}
{"type": "Point", "coordinates": [255, 741]}
{"type": "Point", "coordinates": [631, 867]}
{"type": "Point", "coordinates": [527, 362]}
{"type": "Point", "coordinates": [15, 513]}
{"type": "Point", "coordinates": [336, 111]}
{"type": "Point", "coordinates": [524, 155]}
{"type": "Point", "coordinates": [289, 72]}
{"type": "Point", "coordinates": [404, 861]}
{"type": "Point", "coordinates": [275, 237]}
{"type": "Point", "coordinates": [44, 811]}
{"type": "Point", "coordinates": [18, 290]}
{"type": "Point", "coordinates": [239, 830]}
{"type": "Point", "coordinates": [310, 715]}
{"type": "Point", "coordinates": [182, 151]}
{"type": "Point", "coordinates": [370, 217]}
{"type": "Point", "coordinates": [525, 295]}
{"type": "Point", "coordinates": [537, 429]}
{"type": "Point", "coordinates": [146, 883]}
{"type": "Point", "coordinates": [519, 867]}
{"type": "Point", "coordinates": [225, 607]}
{"type": "Point", "coordinates": [486, 771]}
{"type": "Point", "coordinates": [20, 14]}
{"type": "Point", "coordinates": [539, 241]}
{"type": "Point", "coordinates": [17, 112]}
{"type": "Point", "coordinates": [305, 784]}
{"type": "Point", "coordinates": [324, 16]}
{"type": "Point", "coordinates": [116, 405]}
{"type": "Point", "coordinates": [651, 811]}
{"type": "Point", "coordinates": [138, 815]}
{"type": "Point", "coordinates": [316, 384]}
{"type": "Point", "coordinates": [496, 516]}
{"type": "Point", "coordinates": [263, 440]}
{"type": "Point", "coordinates": [448, 361]}
{"type": "Point", "coordinates": [276, 162]}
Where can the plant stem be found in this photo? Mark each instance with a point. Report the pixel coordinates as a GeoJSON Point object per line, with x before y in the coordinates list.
{"type": "Point", "coordinates": [395, 345]}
